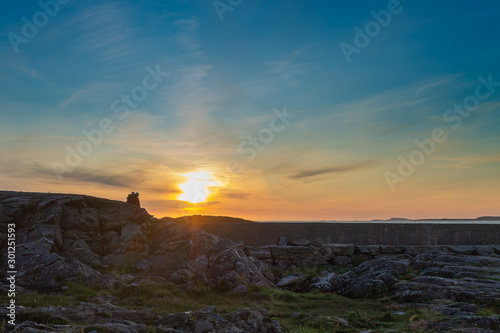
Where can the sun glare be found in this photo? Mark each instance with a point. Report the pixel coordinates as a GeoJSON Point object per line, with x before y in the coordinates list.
{"type": "Point", "coordinates": [198, 186]}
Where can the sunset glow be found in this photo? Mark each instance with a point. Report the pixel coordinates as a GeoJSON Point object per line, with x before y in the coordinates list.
{"type": "Point", "coordinates": [287, 110]}
{"type": "Point", "coordinates": [198, 187]}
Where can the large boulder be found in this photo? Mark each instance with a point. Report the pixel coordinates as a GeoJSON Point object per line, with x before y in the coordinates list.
{"type": "Point", "coordinates": [292, 282]}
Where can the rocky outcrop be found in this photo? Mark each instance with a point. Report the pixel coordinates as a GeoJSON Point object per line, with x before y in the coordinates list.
{"type": "Point", "coordinates": [451, 281]}
{"type": "Point", "coordinates": [458, 277]}
{"type": "Point", "coordinates": [62, 238]}
{"type": "Point", "coordinates": [467, 323]}
{"type": "Point", "coordinates": [459, 317]}
{"type": "Point", "coordinates": [431, 275]}
{"type": "Point", "coordinates": [371, 279]}
{"type": "Point", "coordinates": [89, 317]}
{"type": "Point", "coordinates": [206, 320]}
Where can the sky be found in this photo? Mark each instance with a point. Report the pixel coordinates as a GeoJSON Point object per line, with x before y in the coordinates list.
{"type": "Point", "coordinates": [265, 110]}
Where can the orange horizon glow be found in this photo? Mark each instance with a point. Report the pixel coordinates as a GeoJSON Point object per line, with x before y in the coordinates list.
{"type": "Point", "coordinates": [253, 196]}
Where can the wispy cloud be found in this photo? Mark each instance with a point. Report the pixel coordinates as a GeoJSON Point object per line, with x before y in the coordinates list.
{"type": "Point", "coordinates": [229, 194]}
{"type": "Point", "coordinates": [42, 138]}
{"type": "Point", "coordinates": [104, 32]}
{"type": "Point", "coordinates": [188, 37]}
{"type": "Point", "coordinates": [112, 178]}
{"type": "Point", "coordinates": [336, 169]}
{"type": "Point", "coordinates": [137, 175]}
{"type": "Point", "coordinates": [410, 102]}
{"type": "Point", "coordinates": [292, 69]}
{"type": "Point", "coordinates": [470, 161]}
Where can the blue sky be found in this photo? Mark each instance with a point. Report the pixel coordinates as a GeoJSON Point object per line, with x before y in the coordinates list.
{"type": "Point", "coordinates": [352, 120]}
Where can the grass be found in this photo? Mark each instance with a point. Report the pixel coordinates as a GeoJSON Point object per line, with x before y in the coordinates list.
{"type": "Point", "coordinates": [489, 311]}
{"type": "Point", "coordinates": [297, 312]}
{"type": "Point", "coordinates": [33, 299]}
{"type": "Point", "coordinates": [410, 275]}
{"type": "Point", "coordinates": [339, 270]}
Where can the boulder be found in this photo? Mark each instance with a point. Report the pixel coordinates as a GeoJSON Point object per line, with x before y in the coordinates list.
{"type": "Point", "coordinates": [367, 249]}
{"type": "Point", "coordinates": [342, 260]}
{"type": "Point", "coordinates": [332, 250]}
{"type": "Point", "coordinates": [323, 283]}
{"type": "Point", "coordinates": [391, 249]}
{"type": "Point", "coordinates": [292, 282]}
{"type": "Point", "coordinates": [301, 242]}
{"type": "Point", "coordinates": [259, 252]}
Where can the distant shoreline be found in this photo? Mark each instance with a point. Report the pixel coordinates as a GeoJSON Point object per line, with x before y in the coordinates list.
{"type": "Point", "coordinates": [448, 221]}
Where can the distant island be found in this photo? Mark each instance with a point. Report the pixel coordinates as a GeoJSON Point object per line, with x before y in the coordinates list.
{"type": "Point", "coordinates": [208, 219]}
{"type": "Point", "coordinates": [202, 219]}
{"type": "Point", "coordinates": [482, 218]}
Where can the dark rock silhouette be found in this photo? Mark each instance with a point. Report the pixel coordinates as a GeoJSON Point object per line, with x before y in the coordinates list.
{"type": "Point", "coordinates": [62, 238]}
{"type": "Point", "coordinates": [133, 198]}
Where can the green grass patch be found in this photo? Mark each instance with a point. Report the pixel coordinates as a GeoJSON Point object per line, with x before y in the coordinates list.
{"type": "Point", "coordinates": [297, 312]}
{"type": "Point", "coordinates": [488, 311]}
{"type": "Point", "coordinates": [34, 299]}
{"type": "Point", "coordinates": [81, 292]}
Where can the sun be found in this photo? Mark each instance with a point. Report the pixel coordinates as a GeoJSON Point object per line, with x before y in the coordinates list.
{"type": "Point", "coordinates": [198, 187]}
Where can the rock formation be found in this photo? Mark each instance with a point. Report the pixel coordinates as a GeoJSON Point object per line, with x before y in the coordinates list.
{"type": "Point", "coordinates": [110, 318]}
{"type": "Point", "coordinates": [63, 238]}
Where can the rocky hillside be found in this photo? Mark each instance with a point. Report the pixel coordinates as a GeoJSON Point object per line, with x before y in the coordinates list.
{"type": "Point", "coordinates": [86, 264]}
{"type": "Point", "coordinates": [63, 238]}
